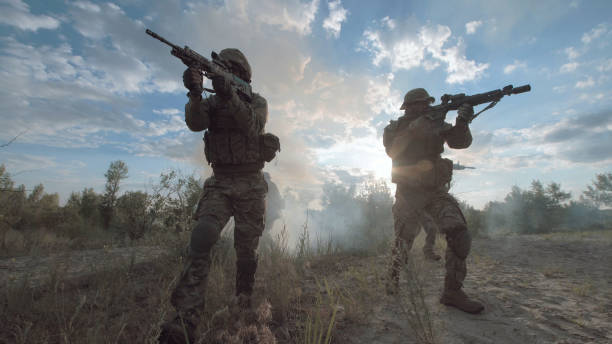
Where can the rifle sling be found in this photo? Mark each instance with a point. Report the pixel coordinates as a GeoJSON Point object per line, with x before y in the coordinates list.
{"type": "Point", "coordinates": [492, 104]}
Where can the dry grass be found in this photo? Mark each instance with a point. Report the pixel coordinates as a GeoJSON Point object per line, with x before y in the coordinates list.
{"type": "Point", "coordinates": [412, 297]}
{"type": "Point", "coordinates": [129, 303]}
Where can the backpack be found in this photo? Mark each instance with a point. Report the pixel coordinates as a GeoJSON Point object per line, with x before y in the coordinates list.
{"type": "Point", "coordinates": [269, 144]}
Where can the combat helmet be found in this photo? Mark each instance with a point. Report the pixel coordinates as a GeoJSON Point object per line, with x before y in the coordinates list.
{"type": "Point", "coordinates": [236, 57]}
{"type": "Point", "coordinates": [416, 95]}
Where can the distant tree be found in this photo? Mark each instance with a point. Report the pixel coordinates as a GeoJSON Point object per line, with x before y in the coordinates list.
{"type": "Point", "coordinates": [376, 202]}
{"type": "Point", "coordinates": [600, 193]}
{"type": "Point", "coordinates": [175, 198]}
{"type": "Point", "coordinates": [474, 218]}
{"type": "Point", "coordinates": [537, 210]}
{"type": "Point", "coordinates": [117, 171]}
{"type": "Point", "coordinates": [134, 213]}
{"type": "Point", "coordinates": [89, 205]}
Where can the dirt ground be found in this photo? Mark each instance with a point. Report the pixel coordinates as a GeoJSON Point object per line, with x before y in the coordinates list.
{"type": "Point", "coordinates": [37, 270]}
{"type": "Point", "coordinates": [536, 289]}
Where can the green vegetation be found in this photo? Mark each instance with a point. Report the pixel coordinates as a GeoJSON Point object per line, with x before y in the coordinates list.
{"type": "Point", "coordinates": [304, 292]}
{"type": "Point", "coordinates": [544, 210]}
{"type": "Point", "coordinates": [34, 221]}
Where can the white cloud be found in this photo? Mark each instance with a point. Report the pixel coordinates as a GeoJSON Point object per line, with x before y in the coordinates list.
{"type": "Point", "coordinates": [292, 15]}
{"type": "Point", "coordinates": [373, 43]}
{"type": "Point", "coordinates": [426, 49]}
{"type": "Point", "coordinates": [17, 13]}
{"type": "Point", "coordinates": [460, 69]}
{"type": "Point", "coordinates": [569, 67]}
{"type": "Point", "coordinates": [337, 15]}
{"type": "Point", "coordinates": [572, 53]}
{"type": "Point", "coordinates": [407, 54]}
{"type": "Point", "coordinates": [596, 32]}
{"type": "Point", "coordinates": [168, 112]}
{"type": "Point", "coordinates": [388, 22]}
{"type": "Point", "coordinates": [470, 27]}
{"type": "Point", "coordinates": [605, 66]}
{"type": "Point", "coordinates": [516, 65]}
{"type": "Point", "coordinates": [579, 139]}
{"type": "Point", "coordinates": [589, 82]}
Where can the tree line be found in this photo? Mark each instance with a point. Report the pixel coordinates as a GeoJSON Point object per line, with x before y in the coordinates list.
{"type": "Point", "coordinates": [167, 206]}
{"type": "Point", "coordinates": [545, 209]}
{"type": "Point", "coordinates": [358, 216]}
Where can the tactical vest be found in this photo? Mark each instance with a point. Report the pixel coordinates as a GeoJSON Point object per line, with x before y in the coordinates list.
{"type": "Point", "coordinates": [420, 163]}
{"type": "Point", "coordinates": [226, 144]}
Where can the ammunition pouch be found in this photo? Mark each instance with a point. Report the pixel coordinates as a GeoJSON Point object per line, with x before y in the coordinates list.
{"type": "Point", "coordinates": [429, 174]}
{"type": "Point", "coordinates": [269, 144]}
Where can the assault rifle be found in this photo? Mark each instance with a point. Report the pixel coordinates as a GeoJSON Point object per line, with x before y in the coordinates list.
{"type": "Point", "coordinates": [457, 166]}
{"type": "Point", "coordinates": [454, 101]}
{"type": "Point", "coordinates": [210, 69]}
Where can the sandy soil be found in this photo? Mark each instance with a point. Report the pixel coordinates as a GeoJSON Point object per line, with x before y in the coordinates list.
{"type": "Point", "coordinates": [535, 290]}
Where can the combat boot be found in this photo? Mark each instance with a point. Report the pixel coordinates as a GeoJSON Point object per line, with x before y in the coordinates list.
{"type": "Point", "coordinates": [177, 331]}
{"type": "Point", "coordinates": [245, 280]}
{"type": "Point", "coordinates": [458, 299]}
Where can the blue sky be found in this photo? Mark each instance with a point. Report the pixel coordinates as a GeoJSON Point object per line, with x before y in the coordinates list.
{"type": "Point", "coordinates": [84, 85]}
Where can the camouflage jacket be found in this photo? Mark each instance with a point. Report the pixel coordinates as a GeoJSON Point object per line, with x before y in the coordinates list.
{"type": "Point", "coordinates": [415, 144]}
{"type": "Point", "coordinates": [233, 128]}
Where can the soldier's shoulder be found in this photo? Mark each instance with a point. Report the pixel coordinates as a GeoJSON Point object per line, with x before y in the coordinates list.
{"type": "Point", "coordinates": [259, 100]}
{"type": "Point", "coordinates": [393, 124]}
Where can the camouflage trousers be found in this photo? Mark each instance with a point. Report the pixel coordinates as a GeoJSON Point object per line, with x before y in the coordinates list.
{"type": "Point", "coordinates": [429, 227]}
{"type": "Point", "coordinates": [414, 207]}
{"type": "Point", "coordinates": [243, 197]}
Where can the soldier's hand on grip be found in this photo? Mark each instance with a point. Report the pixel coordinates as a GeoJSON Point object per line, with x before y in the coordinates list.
{"type": "Point", "coordinates": [465, 113]}
{"type": "Point", "coordinates": [222, 86]}
{"type": "Point", "coordinates": [192, 79]}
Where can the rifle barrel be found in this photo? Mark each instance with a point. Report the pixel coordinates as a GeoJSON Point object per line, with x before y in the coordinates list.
{"type": "Point", "coordinates": [160, 38]}
{"type": "Point", "coordinates": [521, 89]}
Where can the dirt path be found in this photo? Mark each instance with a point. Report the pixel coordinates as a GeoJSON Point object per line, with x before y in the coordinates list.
{"type": "Point", "coordinates": [535, 291]}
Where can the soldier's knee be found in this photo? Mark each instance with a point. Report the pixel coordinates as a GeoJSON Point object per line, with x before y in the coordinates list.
{"type": "Point", "coordinates": [204, 235]}
{"type": "Point", "coordinates": [460, 241]}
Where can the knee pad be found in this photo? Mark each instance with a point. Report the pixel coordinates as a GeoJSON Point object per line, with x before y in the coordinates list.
{"type": "Point", "coordinates": [460, 241]}
{"type": "Point", "coordinates": [204, 235]}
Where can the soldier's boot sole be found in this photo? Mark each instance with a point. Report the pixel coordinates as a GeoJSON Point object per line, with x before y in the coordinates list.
{"type": "Point", "coordinates": [458, 299]}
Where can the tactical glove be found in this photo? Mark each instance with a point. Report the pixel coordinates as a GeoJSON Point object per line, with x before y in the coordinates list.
{"type": "Point", "coordinates": [465, 113]}
{"type": "Point", "coordinates": [222, 87]}
{"type": "Point", "coordinates": [192, 79]}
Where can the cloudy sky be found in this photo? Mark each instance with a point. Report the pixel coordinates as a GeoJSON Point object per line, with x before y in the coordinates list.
{"type": "Point", "coordinates": [81, 85]}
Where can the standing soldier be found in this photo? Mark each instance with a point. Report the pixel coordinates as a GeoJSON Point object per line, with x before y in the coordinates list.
{"type": "Point", "coordinates": [274, 206]}
{"type": "Point", "coordinates": [235, 146]}
{"type": "Point", "coordinates": [430, 229]}
{"type": "Point", "coordinates": [414, 142]}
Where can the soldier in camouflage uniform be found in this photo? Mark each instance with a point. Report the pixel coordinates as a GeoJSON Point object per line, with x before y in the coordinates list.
{"type": "Point", "coordinates": [274, 203]}
{"type": "Point", "coordinates": [429, 227]}
{"type": "Point", "coordinates": [415, 142]}
{"type": "Point", "coordinates": [237, 188]}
